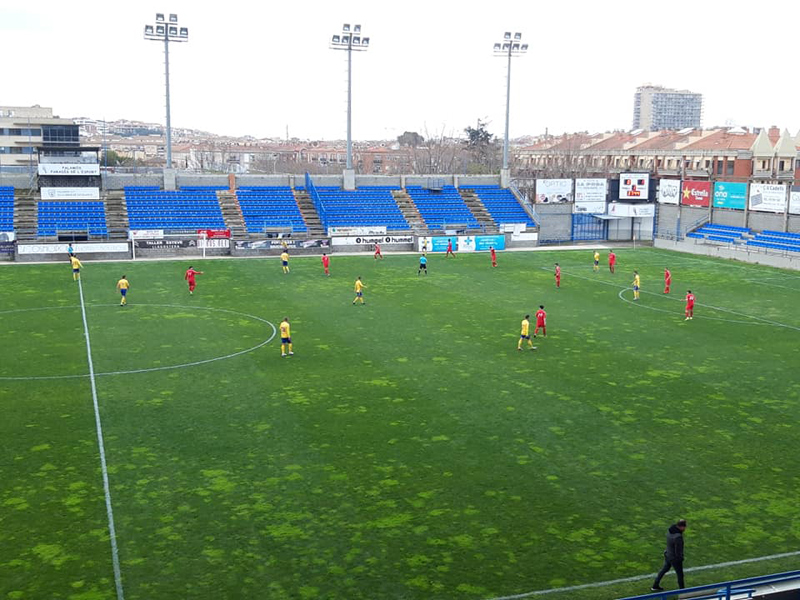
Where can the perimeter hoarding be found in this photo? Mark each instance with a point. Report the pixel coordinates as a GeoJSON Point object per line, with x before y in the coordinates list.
{"type": "Point", "coordinates": [590, 196]}
{"type": "Point", "coordinates": [553, 191]}
{"type": "Point", "coordinates": [634, 186]}
{"type": "Point", "coordinates": [669, 191]}
{"type": "Point", "coordinates": [794, 201]}
{"type": "Point", "coordinates": [462, 243]}
{"type": "Point", "coordinates": [696, 193]}
{"type": "Point", "coordinates": [617, 209]}
{"type": "Point", "coordinates": [69, 169]}
{"type": "Point", "coordinates": [768, 197]}
{"type": "Point", "coordinates": [70, 193]}
{"type": "Point", "coordinates": [730, 194]}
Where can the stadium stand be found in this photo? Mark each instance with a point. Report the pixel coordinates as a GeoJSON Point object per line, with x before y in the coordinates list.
{"type": "Point", "coordinates": [442, 208]}
{"type": "Point", "coordinates": [720, 233]}
{"type": "Point", "coordinates": [769, 240]}
{"type": "Point", "coordinates": [363, 207]}
{"type": "Point", "coordinates": [6, 208]}
{"type": "Point", "coordinates": [776, 240]}
{"type": "Point", "coordinates": [71, 216]}
{"type": "Point", "coordinates": [269, 207]}
{"type": "Point", "coordinates": [152, 208]}
{"type": "Point", "coordinates": [502, 205]}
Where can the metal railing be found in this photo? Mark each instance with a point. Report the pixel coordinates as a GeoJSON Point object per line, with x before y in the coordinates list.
{"type": "Point", "coordinates": [315, 198]}
{"type": "Point", "coordinates": [525, 202]}
{"type": "Point", "coordinates": [727, 590]}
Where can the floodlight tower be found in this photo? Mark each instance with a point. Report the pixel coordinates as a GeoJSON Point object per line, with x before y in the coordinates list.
{"type": "Point", "coordinates": [351, 41]}
{"type": "Point", "coordinates": [167, 31]}
{"type": "Point", "coordinates": [510, 47]}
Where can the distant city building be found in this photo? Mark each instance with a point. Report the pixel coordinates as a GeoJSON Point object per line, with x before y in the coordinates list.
{"type": "Point", "coordinates": [23, 129]}
{"type": "Point", "coordinates": [658, 108]}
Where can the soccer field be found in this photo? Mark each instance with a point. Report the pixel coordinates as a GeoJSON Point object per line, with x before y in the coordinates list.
{"type": "Point", "coordinates": [407, 449]}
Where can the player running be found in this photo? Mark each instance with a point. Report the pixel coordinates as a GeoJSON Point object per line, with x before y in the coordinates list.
{"type": "Point", "coordinates": [377, 254]}
{"type": "Point", "coordinates": [76, 267]}
{"type": "Point", "coordinates": [359, 288]}
{"type": "Point", "coordinates": [612, 261]}
{"type": "Point", "coordinates": [558, 276]}
{"type": "Point", "coordinates": [525, 333]}
{"type": "Point", "coordinates": [326, 263]}
{"type": "Point", "coordinates": [541, 321]}
{"type": "Point", "coordinates": [689, 305]}
{"type": "Point", "coordinates": [286, 337]}
{"type": "Point", "coordinates": [285, 261]}
{"type": "Point", "coordinates": [190, 277]}
{"type": "Point", "coordinates": [450, 249]}
{"type": "Point", "coordinates": [423, 265]}
{"type": "Point", "coordinates": [596, 266]}
{"type": "Point", "coordinates": [123, 285]}
{"type": "Point", "coordinates": [667, 280]}
{"type": "Point", "coordinates": [636, 283]}
{"type": "Point", "coordinates": [493, 254]}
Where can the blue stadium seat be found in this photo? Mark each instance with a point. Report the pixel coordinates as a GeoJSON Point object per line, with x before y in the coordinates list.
{"type": "Point", "coordinates": [71, 216]}
{"type": "Point", "coordinates": [6, 208]}
{"type": "Point", "coordinates": [440, 208]}
{"type": "Point", "coordinates": [501, 204]}
{"type": "Point", "coordinates": [152, 208]}
{"type": "Point", "coordinates": [269, 207]}
{"type": "Point", "coordinates": [364, 207]}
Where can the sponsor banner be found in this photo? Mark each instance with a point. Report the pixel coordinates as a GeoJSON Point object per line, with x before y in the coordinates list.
{"type": "Point", "coordinates": [484, 242]}
{"type": "Point", "coordinates": [7, 236]}
{"type": "Point", "coordinates": [696, 193]}
{"type": "Point", "coordinates": [462, 243]}
{"type": "Point", "coordinates": [387, 240]}
{"type": "Point", "coordinates": [590, 196]}
{"type": "Point", "coordinates": [70, 193]}
{"type": "Point", "coordinates": [728, 194]}
{"type": "Point", "coordinates": [78, 247]}
{"type": "Point", "coordinates": [436, 244]}
{"type": "Point", "coordinates": [634, 186]}
{"type": "Point", "coordinates": [273, 244]}
{"type": "Point", "coordinates": [357, 231]}
{"type": "Point", "coordinates": [794, 201]}
{"type": "Point", "coordinates": [513, 227]}
{"type": "Point", "coordinates": [631, 210]}
{"type": "Point", "coordinates": [529, 236]}
{"type": "Point", "coordinates": [214, 233]}
{"type": "Point", "coordinates": [149, 244]}
{"type": "Point", "coordinates": [552, 191]}
{"type": "Point", "coordinates": [768, 197]}
{"type": "Point", "coordinates": [214, 243]}
{"type": "Point", "coordinates": [669, 191]}
{"type": "Point", "coordinates": [68, 169]}
{"type": "Point", "coordinates": [7, 247]}
{"type": "Point", "coordinates": [145, 234]}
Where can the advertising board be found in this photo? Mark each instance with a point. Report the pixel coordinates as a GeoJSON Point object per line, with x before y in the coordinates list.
{"type": "Point", "coordinates": [68, 169]}
{"type": "Point", "coordinates": [768, 197]}
{"type": "Point", "coordinates": [696, 193]}
{"type": "Point", "coordinates": [590, 196]}
{"type": "Point", "coordinates": [553, 191]}
{"type": "Point", "coordinates": [729, 194]}
{"type": "Point", "coordinates": [70, 193]}
{"type": "Point", "coordinates": [669, 191]}
{"type": "Point", "coordinates": [634, 186]}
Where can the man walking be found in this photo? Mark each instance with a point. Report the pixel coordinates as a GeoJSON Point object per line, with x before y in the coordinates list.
{"type": "Point", "coordinates": [673, 555]}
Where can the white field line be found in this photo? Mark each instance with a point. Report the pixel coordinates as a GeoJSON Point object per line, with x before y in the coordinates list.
{"type": "Point", "coordinates": [112, 532]}
{"type": "Point", "coordinates": [599, 584]}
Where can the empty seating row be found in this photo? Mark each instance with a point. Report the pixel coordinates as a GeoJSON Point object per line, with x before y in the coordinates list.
{"type": "Point", "coordinates": [71, 216]}
{"type": "Point", "coordinates": [158, 209]}
{"type": "Point", "coordinates": [440, 208]}
{"type": "Point", "coordinates": [6, 208]}
{"type": "Point", "coordinates": [502, 205]}
{"type": "Point", "coordinates": [363, 207]}
{"type": "Point", "coordinates": [270, 208]}
{"type": "Point", "coordinates": [774, 245]}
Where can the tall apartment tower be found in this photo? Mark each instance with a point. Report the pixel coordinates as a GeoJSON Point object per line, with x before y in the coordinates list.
{"type": "Point", "coordinates": [657, 108]}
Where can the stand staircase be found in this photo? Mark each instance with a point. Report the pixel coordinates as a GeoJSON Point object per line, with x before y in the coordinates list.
{"type": "Point", "coordinates": [478, 210]}
{"type": "Point", "coordinates": [232, 214]}
{"type": "Point", "coordinates": [117, 215]}
{"type": "Point", "coordinates": [410, 212]}
{"type": "Point", "coordinates": [26, 216]}
{"type": "Point", "coordinates": [309, 212]}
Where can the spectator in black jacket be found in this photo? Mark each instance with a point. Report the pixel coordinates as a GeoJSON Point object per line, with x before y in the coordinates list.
{"type": "Point", "coordinates": [673, 555]}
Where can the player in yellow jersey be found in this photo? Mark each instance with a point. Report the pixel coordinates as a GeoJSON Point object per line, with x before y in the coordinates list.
{"type": "Point", "coordinates": [286, 337]}
{"type": "Point", "coordinates": [525, 333]}
{"type": "Point", "coordinates": [359, 288]}
{"type": "Point", "coordinates": [285, 261]}
{"type": "Point", "coordinates": [76, 267]}
{"type": "Point", "coordinates": [596, 266]}
{"type": "Point", "coordinates": [636, 283]}
{"type": "Point", "coordinates": [123, 285]}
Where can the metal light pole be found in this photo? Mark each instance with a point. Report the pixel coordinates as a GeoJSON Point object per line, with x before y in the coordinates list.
{"type": "Point", "coordinates": [510, 47]}
{"type": "Point", "coordinates": [167, 31]}
{"type": "Point", "coordinates": [350, 41]}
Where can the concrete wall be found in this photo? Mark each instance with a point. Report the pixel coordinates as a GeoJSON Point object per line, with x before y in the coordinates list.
{"type": "Point", "coordinates": [117, 181]}
{"type": "Point", "coordinates": [363, 180]}
{"type": "Point", "coordinates": [741, 253]}
{"type": "Point", "coordinates": [794, 223]}
{"type": "Point", "coordinates": [760, 221]}
{"type": "Point", "coordinates": [425, 180]}
{"type": "Point", "coordinates": [15, 180]}
{"type": "Point", "coordinates": [201, 179]}
{"type": "Point", "coordinates": [556, 222]}
{"type": "Point", "coordinates": [468, 180]}
{"type": "Point", "coordinates": [667, 216]}
{"type": "Point", "coordinates": [729, 217]}
{"type": "Point", "coordinates": [270, 180]}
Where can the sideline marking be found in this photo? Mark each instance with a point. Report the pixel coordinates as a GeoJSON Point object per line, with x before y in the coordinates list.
{"type": "Point", "coordinates": [672, 312]}
{"type": "Point", "coordinates": [598, 584]}
{"type": "Point", "coordinates": [112, 532]}
{"type": "Point", "coordinates": [151, 369]}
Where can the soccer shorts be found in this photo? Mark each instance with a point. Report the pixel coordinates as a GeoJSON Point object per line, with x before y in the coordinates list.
{"type": "Point", "coordinates": [525, 337]}
{"type": "Point", "coordinates": [359, 294]}
{"type": "Point", "coordinates": [285, 263]}
{"type": "Point", "coordinates": [123, 292]}
{"type": "Point", "coordinates": [423, 266]}
{"type": "Point", "coordinates": [76, 270]}
{"type": "Point", "coordinates": [286, 340]}
{"type": "Point", "coordinates": [636, 288]}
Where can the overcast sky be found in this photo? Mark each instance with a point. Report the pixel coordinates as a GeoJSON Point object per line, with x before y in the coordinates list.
{"type": "Point", "coordinates": [256, 68]}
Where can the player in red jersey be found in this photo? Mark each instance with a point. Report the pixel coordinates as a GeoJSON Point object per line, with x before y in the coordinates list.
{"type": "Point", "coordinates": [189, 276]}
{"type": "Point", "coordinates": [689, 305]}
{"type": "Point", "coordinates": [541, 321]}
{"type": "Point", "coordinates": [612, 260]}
{"type": "Point", "coordinates": [377, 254]}
{"type": "Point", "coordinates": [493, 254]}
{"type": "Point", "coordinates": [450, 249]}
{"type": "Point", "coordinates": [326, 263]}
{"type": "Point", "coordinates": [558, 276]}
{"type": "Point", "coordinates": [667, 280]}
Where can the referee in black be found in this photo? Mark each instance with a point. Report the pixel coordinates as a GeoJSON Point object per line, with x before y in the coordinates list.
{"type": "Point", "coordinates": [673, 555]}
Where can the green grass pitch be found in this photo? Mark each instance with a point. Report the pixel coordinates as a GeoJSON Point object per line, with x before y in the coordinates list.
{"type": "Point", "coordinates": [407, 450]}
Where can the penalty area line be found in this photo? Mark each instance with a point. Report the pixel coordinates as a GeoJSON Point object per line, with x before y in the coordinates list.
{"type": "Point", "coordinates": [635, 578]}
{"type": "Point", "coordinates": [112, 532]}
